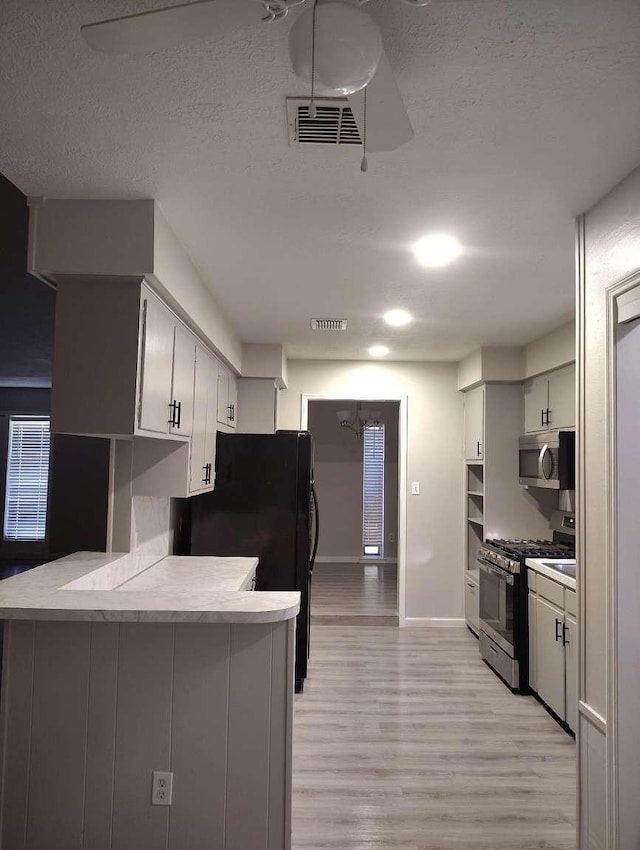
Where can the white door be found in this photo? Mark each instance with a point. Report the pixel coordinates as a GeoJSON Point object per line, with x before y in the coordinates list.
{"type": "Point", "coordinates": [571, 662]}
{"type": "Point", "coordinates": [184, 358]}
{"type": "Point", "coordinates": [474, 424]}
{"type": "Point", "coordinates": [197, 469]}
{"type": "Point", "coordinates": [536, 402]}
{"type": "Point", "coordinates": [550, 656]}
{"type": "Point", "coordinates": [562, 398]}
{"type": "Point", "coordinates": [156, 367]}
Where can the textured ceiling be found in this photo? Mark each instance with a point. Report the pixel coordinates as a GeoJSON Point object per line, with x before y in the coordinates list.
{"type": "Point", "coordinates": [525, 112]}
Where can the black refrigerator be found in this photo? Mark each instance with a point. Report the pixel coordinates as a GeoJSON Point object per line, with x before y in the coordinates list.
{"type": "Point", "coordinates": [264, 504]}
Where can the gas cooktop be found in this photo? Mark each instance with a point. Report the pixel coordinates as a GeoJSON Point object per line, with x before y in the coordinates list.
{"type": "Point", "coordinates": [520, 549]}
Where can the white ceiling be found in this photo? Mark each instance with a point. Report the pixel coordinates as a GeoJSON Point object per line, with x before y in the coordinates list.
{"type": "Point", "coordinates": [525, 112]}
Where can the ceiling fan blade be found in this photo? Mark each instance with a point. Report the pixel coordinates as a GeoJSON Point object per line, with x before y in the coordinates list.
{"type": "Point", "coordinates": [172, 25]}
{"type": "Point", "coordinates": [388, 124]}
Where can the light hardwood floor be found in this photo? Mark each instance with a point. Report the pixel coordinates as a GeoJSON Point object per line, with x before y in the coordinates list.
{"type": "Point", "coordinates": [405, 740]}
{"type": "Point", "coordinates": [355, 594]}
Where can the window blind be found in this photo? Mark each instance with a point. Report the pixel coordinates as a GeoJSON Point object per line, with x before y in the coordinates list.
{"type": "Point", "coordinates": [373, 490]}
{"type": "Point", "coordinates": [25, 510]}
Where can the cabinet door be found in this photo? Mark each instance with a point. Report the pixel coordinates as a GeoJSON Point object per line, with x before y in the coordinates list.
{"type": "Point", "coordinates": [156, 367]}
{"type": "Point", "coordinates": [232, 410]}
{"type": "Point", "coordinates": [550, 656]}
{"type": "Point", "coordinates": [197, 471]}
{"type": "Point", "coordinates": [474, 424]}
{"type": "Point", "coordinates": [562, 398]}
{"type": "Point", "coordinates": [212, 416]}
{"type": "Point", "coordinates": [571, 662]}
{"type": "Point", "coordinates": [184, 358]}
{"type": "Point", "coordinates": [223, 396]}
{"type": "Point", "coordinates": [471, 604]}
{"type": "Point", "coordinates": [536, 402]}
{"type": "Point", "coordinates": [533, 684]}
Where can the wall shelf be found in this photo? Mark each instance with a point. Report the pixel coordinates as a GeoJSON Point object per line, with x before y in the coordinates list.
{"type": "Point", "coordinates": [475, 521]}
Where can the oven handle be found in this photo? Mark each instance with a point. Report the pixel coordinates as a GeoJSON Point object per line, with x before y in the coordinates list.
{"type": "Point", "coordinates": [497, 571]}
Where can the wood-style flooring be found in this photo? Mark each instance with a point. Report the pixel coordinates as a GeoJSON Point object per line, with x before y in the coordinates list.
{"type": "Point", "coordinates": [354, 594]}
{"type": "Point", "coordinates": [405, 740]}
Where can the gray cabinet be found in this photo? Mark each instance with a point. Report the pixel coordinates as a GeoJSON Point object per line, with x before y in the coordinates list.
{"type": "Point", "coordinates": [227, 405]}
{"type": "Point", "coordinates": [156, 366]}
{"type": "Point", "coordinates": [474, 424]}
{"type": "Point", "coordinates": [553, 646]}
{"type": "Point", "coordinates": [472, 602]}
{"type": "Point", "coordinates": [184, 357]}
{"type": "Point", "coordinates": [203, 442]}
{"type": "Point", "coordinates": [550, 401]}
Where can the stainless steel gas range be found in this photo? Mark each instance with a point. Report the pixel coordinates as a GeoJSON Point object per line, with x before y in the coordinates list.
{"type": "Point", "coordinates": [504, 640]}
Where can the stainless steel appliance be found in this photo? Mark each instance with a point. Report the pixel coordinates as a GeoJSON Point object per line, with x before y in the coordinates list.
{"type": "Point", "coordinates": [504, 639]}
{"type": "Point", "coordinates": [548, 460]}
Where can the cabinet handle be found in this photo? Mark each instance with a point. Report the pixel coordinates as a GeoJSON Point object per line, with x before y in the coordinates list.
{"type": "Point", "coordinates": [172, 409]}
{"type": "Point", "coordinates": [542, 418]}
{"type": "Point", "coordinates": [559, 623]}
{"type": "Point", "coordinates": [478, 449]}
{"type": "Point", "coordinates": [232, 413]}
{"type": "Point", "coordinates": [565, 629]}
{"type": "Point", "coordinates": [179, 412]}
{"type": "Point", "coordinates": [205, 469]}
{"type": "Point", "coordinates": [547, 417]}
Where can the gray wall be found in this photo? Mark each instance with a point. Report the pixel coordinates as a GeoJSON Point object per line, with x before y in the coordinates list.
{"type": "Point", "coordinates": [338, 470]}
{"type": "Point", "coordinates": [608, 253]}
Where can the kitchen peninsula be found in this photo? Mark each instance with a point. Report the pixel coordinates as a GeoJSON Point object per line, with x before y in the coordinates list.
{"type": "Point", "coordinates": [119, 666]}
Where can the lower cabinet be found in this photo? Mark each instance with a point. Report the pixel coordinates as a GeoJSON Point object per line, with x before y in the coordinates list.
{"type": "Point", "coordinates": [472, 602]}
{"type": "Point", "coordinates": [553, 647]}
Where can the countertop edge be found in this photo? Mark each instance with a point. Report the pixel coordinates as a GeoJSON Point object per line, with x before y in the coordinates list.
{"type": "Point", "coordinates": [550, 573]}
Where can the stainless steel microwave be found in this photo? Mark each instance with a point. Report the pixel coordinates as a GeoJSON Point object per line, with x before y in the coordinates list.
{"type": "Point", "coordinates": [548, 460]}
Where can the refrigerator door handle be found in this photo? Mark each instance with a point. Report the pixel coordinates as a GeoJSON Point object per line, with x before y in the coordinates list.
{"type": "Point", "coordinates": [317, 527]}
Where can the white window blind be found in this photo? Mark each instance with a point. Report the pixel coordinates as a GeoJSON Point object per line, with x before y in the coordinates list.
{"type": "Point", "coordinates": [25, 509]}
{"type": "Point", "coordinates": [373, 490]}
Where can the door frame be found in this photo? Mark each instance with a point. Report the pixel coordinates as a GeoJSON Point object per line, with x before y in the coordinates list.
{"type": "Point", "coordinates": [403, 400]}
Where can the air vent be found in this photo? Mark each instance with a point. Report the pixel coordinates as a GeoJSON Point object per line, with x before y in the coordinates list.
{"type": "Point", "coordinates": [329, 324]}
{"type": "Point", "coordinates": [334, 123]}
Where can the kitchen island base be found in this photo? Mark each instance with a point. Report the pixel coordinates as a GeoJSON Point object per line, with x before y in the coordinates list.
{"type": "Point", "coordinates": [91, 709]}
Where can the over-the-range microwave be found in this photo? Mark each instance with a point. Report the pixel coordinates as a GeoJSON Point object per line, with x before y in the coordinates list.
{"type": "Point", "coordinates": [548, 460]}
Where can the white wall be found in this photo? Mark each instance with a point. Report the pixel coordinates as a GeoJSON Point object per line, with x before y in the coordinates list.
{"type": "Point", "coordinates": [338, 472]}
{"type": "Point", "coordinates": [608, 253]}
{"type": "Point", "coordinates": [434, 587]}
{"type": "Point", "coordinates": [551, 351]}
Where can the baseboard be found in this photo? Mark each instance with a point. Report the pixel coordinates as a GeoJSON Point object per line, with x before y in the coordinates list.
{"type": "Point", "coordinates": [350, 559]}
{"type": "Point", "coordinates": [434, 622]}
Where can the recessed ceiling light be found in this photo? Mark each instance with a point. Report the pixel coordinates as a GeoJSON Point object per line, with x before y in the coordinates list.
{"type": "Point", "coordinates": [378, 351]}
{"type": "Point", "coordinates": [437, 249]}
{"type": "Point", "coordinates": [397, 318]}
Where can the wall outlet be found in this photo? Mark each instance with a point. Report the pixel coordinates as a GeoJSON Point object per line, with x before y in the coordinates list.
{"type": "Point", "coordinates": [161, 788]}
{"type": "Point", "coordinates": [415, 488]}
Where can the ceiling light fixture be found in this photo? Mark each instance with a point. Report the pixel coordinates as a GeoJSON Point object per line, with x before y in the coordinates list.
{"type": "Point", "coordinates": [358, 420]}
{"type": "Point", "coordinates": [378, 351]}
{"type": "Point", "coordinates": [397, 318]}
{"type": "Point", "coordinates": [437, 249]}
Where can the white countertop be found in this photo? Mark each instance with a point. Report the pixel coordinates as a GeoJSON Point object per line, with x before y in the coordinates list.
{"type": "Point", "coordinates": [116, 587]}
{"type": "Point", "coordinates": [540, 565]}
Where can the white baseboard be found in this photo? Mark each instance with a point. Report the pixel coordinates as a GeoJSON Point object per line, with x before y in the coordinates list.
{"type": "Point", "coordinates": [433, 622]}
{"type": "Point", "coordinates": [350, 559]}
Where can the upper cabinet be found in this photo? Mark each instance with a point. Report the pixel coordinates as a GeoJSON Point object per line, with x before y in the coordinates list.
{"type": "Point", "coordinates": [227, 397]}
{"type": "Point", "coordinates": [474, 424]}
{"type": "Point", "coordinates": [550, 401]}
{"type": "Point", "coordinates": [126, 367]}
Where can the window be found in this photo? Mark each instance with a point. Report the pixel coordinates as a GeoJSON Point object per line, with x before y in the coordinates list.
{"type": "Point", "coordinates": [373, 490]}
{"type": "Point", "coordinates": [25, 509]}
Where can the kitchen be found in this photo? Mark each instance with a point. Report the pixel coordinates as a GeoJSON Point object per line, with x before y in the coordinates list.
{"type": "Point", "coordinates": [232, 280]}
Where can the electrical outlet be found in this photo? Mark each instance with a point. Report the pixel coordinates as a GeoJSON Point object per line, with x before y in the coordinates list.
{"type": "Point", "coordinates": [392, 537]}
{"type": "Point", "coordinates": [415, 488]}
{"type": "Point", "coordinates": [161, 788]}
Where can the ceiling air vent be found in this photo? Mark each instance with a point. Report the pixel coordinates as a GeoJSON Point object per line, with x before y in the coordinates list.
{"type": "Point", "coordinates": [329, 324]}
{"type": "Point", "coordinates": [334, 123]}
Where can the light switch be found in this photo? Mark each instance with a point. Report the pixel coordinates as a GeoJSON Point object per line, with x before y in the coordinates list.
{"type": "Point", "coordinates": [415, 488]}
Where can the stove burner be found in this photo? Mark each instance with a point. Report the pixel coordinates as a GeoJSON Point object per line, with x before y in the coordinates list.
{"type": "Point", "coordinates": [531, 548]}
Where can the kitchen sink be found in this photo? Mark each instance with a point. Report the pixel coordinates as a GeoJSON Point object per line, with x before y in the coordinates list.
{"type": "Point", "coordinates": [567, 568]}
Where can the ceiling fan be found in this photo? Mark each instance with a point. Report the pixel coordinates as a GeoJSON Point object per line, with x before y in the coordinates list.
{"type": "Point", "coordinates": [338, 25]}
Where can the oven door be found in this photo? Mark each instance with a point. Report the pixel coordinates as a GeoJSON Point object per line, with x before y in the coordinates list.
{"type": "Point", "coordinates": [497, 601]}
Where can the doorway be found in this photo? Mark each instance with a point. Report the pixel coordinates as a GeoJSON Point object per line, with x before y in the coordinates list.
{"type": "Point", "coordinates": [355, 580]}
